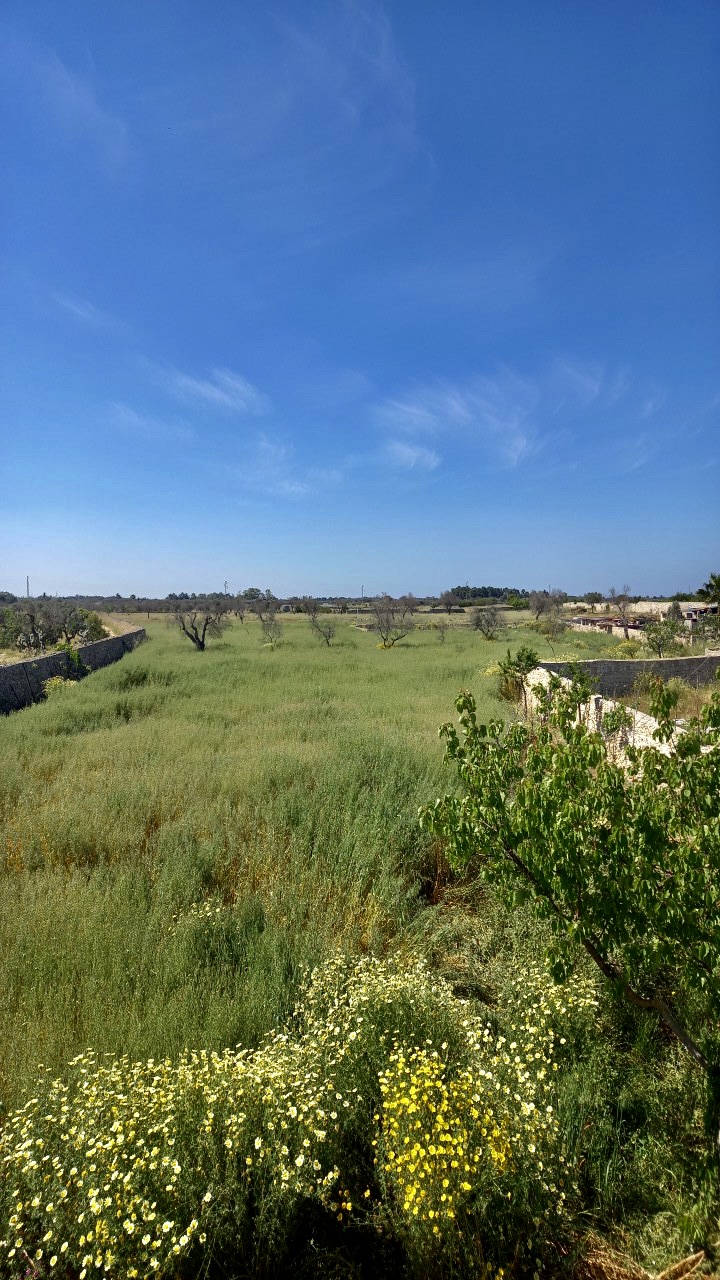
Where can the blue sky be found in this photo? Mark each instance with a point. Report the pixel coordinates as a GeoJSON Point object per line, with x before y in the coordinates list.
{"type": "Point", "coordinates": [322, 295]}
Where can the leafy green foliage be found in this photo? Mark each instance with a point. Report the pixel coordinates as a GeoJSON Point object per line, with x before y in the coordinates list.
{"type": "Point", "coordinates": [10, 628]}
{"type": "Point", "coordinates": [40, 624]}
{"type": "Point", "coordinates": [513, 673]}
{"type": "Point", "coordinates": [621, 857]}
{"type": "Point", "coordinates": [710, 591]}
{"type": "Point", "coordinates": [662, 637]}
{"type": "Point", "coordinates": [593, 598]}
{"type": "Point", "coordinates": [91, 628]}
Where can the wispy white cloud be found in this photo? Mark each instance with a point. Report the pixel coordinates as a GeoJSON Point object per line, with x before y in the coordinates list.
{"type": "Point", "coordinates": [314, 119]}
{"type": "Point", "coordinates": [414, 457]}
{"type": "Point", "coordinates": [415, 413]}
{"type": "Point", "coordinates": [578, 382]}
{"type": "Point", "coordinates": [270, 467]}
{"type": "Point", "coordinates": [633, 452]}
{"type": "Point", "coordinates": [512, 418]}
{"type": "Point", "coordinates": [653, 402]}
{"type": "Point", "coordinates": [441, 280]}
{"type": "Point", "coordinates": [63, 101]}
{"type": "Point", "coordinates": [84, 311]}
{"type": "Point", "coordinates": [223, 389]}
{"type": "Point", "coordinates": [124, 418]}
{"type": "Point", "coordinates": [494, 412]}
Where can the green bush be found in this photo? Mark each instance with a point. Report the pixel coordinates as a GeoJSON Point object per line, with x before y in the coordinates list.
{"type": "Point", "coordinates": [387, 1104]}
{"type": "Point", "coordinates": [10, 628]}
{"type": "Point", "coordinates": [57, 684]}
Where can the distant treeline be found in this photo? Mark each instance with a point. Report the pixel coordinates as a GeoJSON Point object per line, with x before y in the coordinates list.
{"type": "Point", "coordinates": [488, 593]}
{"type": "Point", "coordinates": [514, 597]}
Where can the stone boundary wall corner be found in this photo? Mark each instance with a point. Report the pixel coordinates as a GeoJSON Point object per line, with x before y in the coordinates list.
{"type": "Point", "coordinates": [21, 684]}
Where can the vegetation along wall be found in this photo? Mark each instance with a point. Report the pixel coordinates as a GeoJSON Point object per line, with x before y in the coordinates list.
{"type": "Point", "coordinates": [22, 682]}
{"type": "Point", "coordinates": [613, 677]}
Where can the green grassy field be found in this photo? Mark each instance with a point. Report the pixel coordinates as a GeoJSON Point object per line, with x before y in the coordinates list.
{"type": "Point", "coordinates": [185, 834]}
{"type": "Point", "coordinates": [282, 783]}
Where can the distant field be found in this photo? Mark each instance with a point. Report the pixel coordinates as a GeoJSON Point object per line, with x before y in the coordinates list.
{"type": "Point", "coordinates": [282, 782]}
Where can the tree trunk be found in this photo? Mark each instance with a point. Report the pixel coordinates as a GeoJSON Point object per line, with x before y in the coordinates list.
{"type": "Point", "coordinates": [712, 1116]}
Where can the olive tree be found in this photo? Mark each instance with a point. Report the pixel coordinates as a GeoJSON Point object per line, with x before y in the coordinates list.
{"type": "Point", "coordinates": [622, 857]}
{"type": "Point", "coordinates": [449, 601]}
{"type": "Point", "coordinates": [39, 624]}
{"type": "Point", "coordinates": [203, 620]}
{"type": "Point", "coordinates": [486, 621]}
{"type": "Point", "coordinates": [662, 636]}
{"type": "Point", "coordinates": [72, 622]}
{"type": "Point", "coordinates": [547, 603]}
{"type": "Point", "coordinates": [264, 605]}
{"type": "Point", "coordinates": [393, 619]}
{"type": "Point", "coordinates": [593, 598]}
{"type": "Point", "coordinates": [322, 627]}
{"type": "Point", "coordinates": [620, 601]}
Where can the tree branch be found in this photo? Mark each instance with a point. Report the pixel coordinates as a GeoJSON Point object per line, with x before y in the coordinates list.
{"type": "Point", "coordinates": [611, 970]}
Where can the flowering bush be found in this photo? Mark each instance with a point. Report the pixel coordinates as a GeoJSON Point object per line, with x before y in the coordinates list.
{"type": "Point", "coordinates": [387, 1102]}
{"type": "Point", "coordinates": [476, 1142]}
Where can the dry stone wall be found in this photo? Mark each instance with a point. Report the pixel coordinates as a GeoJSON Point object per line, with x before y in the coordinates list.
{"type": "Point", "coordinates": [613, 677]}
{"type": "Point", "coordinates": [22, 683]}
{"type": "Point", "coordinates": [640, 729]}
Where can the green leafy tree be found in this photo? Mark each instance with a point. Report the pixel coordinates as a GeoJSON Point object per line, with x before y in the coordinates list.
{"type": "Point", "coordinates": [10, 628]}
{"type": "Point", "coordinates": [621, 857]}
{"type": "Point", "coordinates": [710, 591]}
{"type": "Point", "coordinates": [514, 671]}
{"type": "Point", "coordinates": [662, 637]}
{"type": "Point", "coordinates": [593, 598]}
{"type": "Point", "coordinates": [72, 622]}
{"type": "Point", "coordinates": [39, 624]}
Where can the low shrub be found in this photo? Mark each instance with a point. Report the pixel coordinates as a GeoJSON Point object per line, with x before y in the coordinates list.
{"type": "Point", "coordinates": [56, 684]}
{"type": "Point", "coordinates": [630, 648]}
{"type": "Point", "coordinates": [386, 1103]}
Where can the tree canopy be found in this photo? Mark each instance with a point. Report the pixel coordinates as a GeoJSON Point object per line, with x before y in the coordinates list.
{"type": "Point", "coordinates": [621, 856]}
